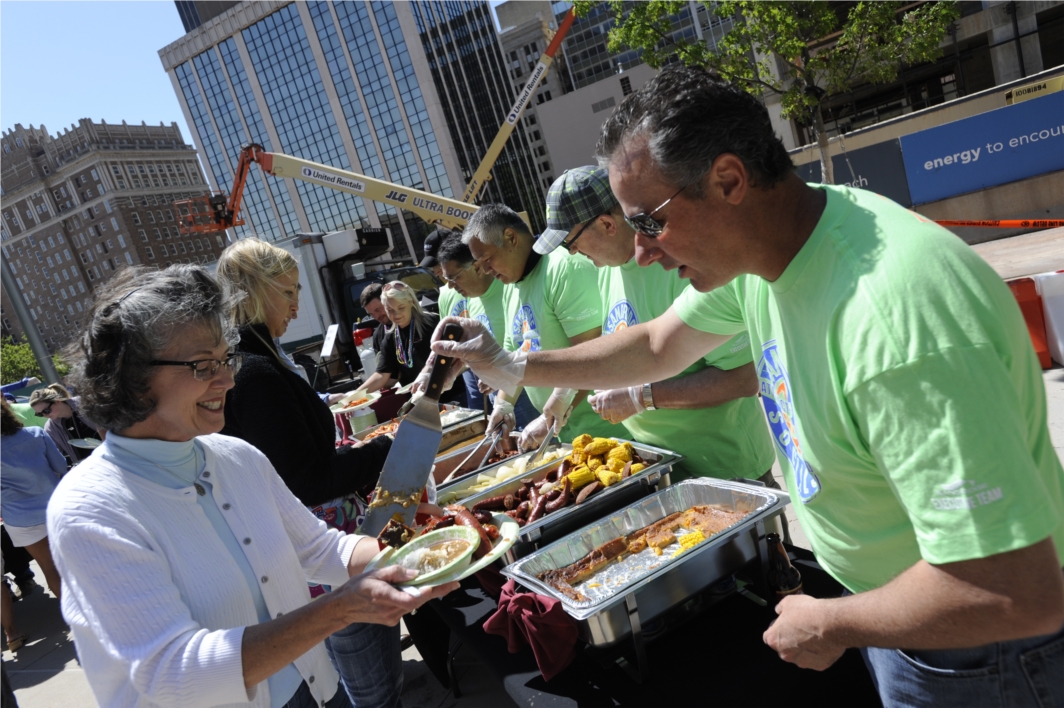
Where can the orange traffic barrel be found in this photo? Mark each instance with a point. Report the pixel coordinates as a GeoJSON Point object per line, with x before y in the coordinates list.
{"type": "Point", "coordinates": [1026, 294]}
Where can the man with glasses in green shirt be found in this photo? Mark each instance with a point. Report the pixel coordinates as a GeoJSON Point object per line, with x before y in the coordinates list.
{"type": "Point", "coordinates": [900, 384]}
{"type": "Point", "coordinates": [710, 412]}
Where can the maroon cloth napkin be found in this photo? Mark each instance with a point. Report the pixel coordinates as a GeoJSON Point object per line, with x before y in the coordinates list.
{"type": "Point", "coordinates": [491, 580]}
{"type": "Point", "coordinates": [539, 621]}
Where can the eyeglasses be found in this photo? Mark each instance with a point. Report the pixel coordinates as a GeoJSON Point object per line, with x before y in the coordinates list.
{"type": "Point", "coordinates": [645, 223]}
{"type": "Point", "coordinates": [568, 245]}
{"type": "Point", "coordinates": [396, 285]}
{"type": "Point", "coordinates": [43, 413]}
{"type": "Point", "coordinates": [457, 275]}
{"type": "Point", "coordinates": [206, 369]}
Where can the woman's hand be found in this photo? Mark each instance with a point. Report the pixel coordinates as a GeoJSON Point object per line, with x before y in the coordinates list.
{"type": "Point", "coordinates": [373, 597]}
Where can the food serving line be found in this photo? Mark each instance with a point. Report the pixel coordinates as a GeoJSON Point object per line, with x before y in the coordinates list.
{"type": "Point", "coordinates": [653, 596]}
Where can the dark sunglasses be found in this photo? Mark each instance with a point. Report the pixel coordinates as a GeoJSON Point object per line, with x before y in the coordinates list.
{"type": "Point", "coordinates": [206, 369]}
{"type": "Point", "coordinates": [568, 245]}
{"type": "Point", "coordinates": [44, 411]}
{"type": "Point", "coordinates": [645, 223]}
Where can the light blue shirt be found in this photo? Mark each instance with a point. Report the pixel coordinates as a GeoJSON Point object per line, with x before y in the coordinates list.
{"type": "Point", "coordinates": [30, 468]}
{"type": "Point", "coordinates": [175, 465]}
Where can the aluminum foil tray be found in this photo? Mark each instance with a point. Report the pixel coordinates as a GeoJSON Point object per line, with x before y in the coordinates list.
{"type": "Point", "coordinates": [459, 488]}
{"type": "Point", "coordinates": [452, 415]}
{"type": "Point", "coordinates": [664, 582]}
{"type": "Point", "coordinates": [464, 429]}
{"type": "Point", "coordinates": [573, 517]}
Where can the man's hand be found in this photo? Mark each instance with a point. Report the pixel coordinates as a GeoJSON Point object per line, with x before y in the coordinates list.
{"type": "Point", "coordinates": [558, 407]}
{"type": "Point", "coordinates": [533, 434]}
{"type": "Point", "coordinates": [480, 352]}
{"type": "Point", "coordinates": [798, 635]}
{"type": "Point", "coordinates": [373, 597]}
{"type": "Point", "coordinates": [502, 416]}
{"type": "Point", "coordinates": [618, 404]}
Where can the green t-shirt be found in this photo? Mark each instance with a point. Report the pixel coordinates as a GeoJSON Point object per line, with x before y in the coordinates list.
{"type": "Point", "coordinates": [729, 440]}
{"type": "Point", "coordinates": [451, 302]}
{"type": "Point", "coordinates": [487, 308]}
{"type": "Point", "coordinates": [903, 393]}
{"type": "Point", "coordinates": [557, 300]}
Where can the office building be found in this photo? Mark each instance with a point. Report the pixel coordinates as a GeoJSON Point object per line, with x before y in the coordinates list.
{"type": "Point", "coordinates": [401, 92]}
{"type": "Point", "coordinates": [82, 204]}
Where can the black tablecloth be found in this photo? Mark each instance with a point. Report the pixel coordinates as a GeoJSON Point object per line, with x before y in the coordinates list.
{"type": "Point", "coordinates": [715, 659]}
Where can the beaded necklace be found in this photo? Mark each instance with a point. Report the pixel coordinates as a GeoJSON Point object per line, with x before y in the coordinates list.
{"type": "Point", "coordinates": [405, 356]}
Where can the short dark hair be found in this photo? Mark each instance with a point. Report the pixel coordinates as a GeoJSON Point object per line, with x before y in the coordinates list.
{"type": "Point", "coordinates": [454, 250]}
{"type": "Point", "coordinates": [689, 117]}
{"type": "Point", "coordinates": [135, 316]}
{"type": "Point", "coordinates": [370, 293]}
{"type": "Point", "coordinates": [9, 422]}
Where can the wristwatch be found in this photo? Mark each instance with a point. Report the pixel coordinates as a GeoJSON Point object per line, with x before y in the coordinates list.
{"type": "Point", "coordinates": [648, 397]}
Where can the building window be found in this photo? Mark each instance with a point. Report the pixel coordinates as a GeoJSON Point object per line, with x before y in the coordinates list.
{"type": "Point", "coordinates": [143, 236]}
{"type": "Point", "coordinates": [151, 253]}
{"type": "Point", "coordinates": [626, 85]}
{"type": "Point", "coordinates": [136, 218]}
{"type": "Point", "coordinates": [129, 258]}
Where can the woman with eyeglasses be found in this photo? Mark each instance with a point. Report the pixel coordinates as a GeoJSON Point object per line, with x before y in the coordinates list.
{"type": "Point", "coordinates": [278, 412]}
{"type": "Point", "coordinates": [185, 559]}
{"type": "Point", "coordinates": [65, 421]}
{"type": "Point", "coordinates": [406, 343]}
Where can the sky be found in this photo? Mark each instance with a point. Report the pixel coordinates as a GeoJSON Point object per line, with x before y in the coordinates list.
{"type": "Point", "coordinates": [63, 61]}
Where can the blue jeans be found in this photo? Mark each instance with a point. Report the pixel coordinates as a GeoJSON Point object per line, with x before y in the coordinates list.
{"type": "Point", "coordinates": [524, 411]}
{"type": "Point", "coordinates": [303, 698]}
{"type": "Point", "coordinates": [474, 398]}
{"type": "Point", "coordinates": [370, 664]}
{"type": "Point", "coordinates": [1022, 672]}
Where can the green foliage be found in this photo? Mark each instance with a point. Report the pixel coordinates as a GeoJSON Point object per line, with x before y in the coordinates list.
{"type": "Point", "coordinates": [17, 361]}
{"type": "Point", "coordinates": [803, 51]}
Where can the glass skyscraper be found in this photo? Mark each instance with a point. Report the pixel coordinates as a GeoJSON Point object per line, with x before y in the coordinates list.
{"type": "Point", "coordinates": [347, 84]}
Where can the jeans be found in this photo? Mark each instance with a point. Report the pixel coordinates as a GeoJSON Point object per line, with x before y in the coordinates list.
{"type": "Point", "coordinates": [524, 411]}
{"type": "Point", "coordinates": [1022, 672]}
{"type": "Point", "coordinates": [303, 698]}
{"type": "Point", "coordinates": [474, 398]}
{"type": "Point", "coordinates": [370, 664]}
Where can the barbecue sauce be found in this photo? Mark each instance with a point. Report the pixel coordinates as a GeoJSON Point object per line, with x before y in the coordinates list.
{"type": "Point", "coordinates": [783, 577]}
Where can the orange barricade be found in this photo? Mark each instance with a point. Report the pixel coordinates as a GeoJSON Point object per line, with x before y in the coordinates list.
{"type": "Point", "coordinates": [1026, 294]}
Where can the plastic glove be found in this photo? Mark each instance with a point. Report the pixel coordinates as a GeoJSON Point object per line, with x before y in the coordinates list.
{"type": "Point", "coordinates": [533, 434]}
{"type": "Point", "coordinates": [422, 381]}
{"type": "Point", "coordinates": [479, 351]}
{"type": "Point", "coordinates": [501, 416]}
{"type": "Point", "coordinates": [618, 404]}
{"type": "Point", "coordinates": [558, 407]}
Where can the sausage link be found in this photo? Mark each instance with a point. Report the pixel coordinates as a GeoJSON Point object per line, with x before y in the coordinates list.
{"type": "Point", "coordinates": [464, 517]}
{"type": "Point", "coordinates": [522, 509]}
{"type": "Point", "coordinates": [564, 497]}
{"type": "Point", "coordinates": [483, 517]}
{"type": "Point", "coordinates": [538, 509]}
{"type": "Point", "coordinates": [438, 522]}
{"type": "Point", "coordinates": [503, 502]}
{"type": "Point", "coordinates": [587, 492]}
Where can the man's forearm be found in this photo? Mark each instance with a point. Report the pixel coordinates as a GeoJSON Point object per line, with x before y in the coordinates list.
{"type": "Point", "coordinates": [706, 388]}
{"type": "Point", "coordinates": [1011, 596]}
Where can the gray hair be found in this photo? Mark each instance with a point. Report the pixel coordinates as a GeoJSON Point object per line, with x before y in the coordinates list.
{"type": "Point", "coordinates": [136, 316]}
{"type": "Point", "coordinates": [688, 118]}
{"type": "Point", "coordinates": [489, 223]}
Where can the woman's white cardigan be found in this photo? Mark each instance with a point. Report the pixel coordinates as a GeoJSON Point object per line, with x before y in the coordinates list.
{"type": "Point", "coordinates": [155, 601]}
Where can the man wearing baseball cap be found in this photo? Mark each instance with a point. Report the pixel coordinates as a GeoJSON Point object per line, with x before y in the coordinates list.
{"type": "Point", "coordinates": [709, 412]}
{"type": "Point", "coordinates": [432, 247]}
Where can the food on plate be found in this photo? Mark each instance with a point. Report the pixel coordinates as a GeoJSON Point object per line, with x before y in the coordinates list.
{"type": "Point", "coordinates": [463, 517]}
{"type": "Point", "coordinates": [435, 557]}
{"type": "Point", "coordinates": [396, 534]}
{"type": "Point", "coordinates": [359, 402]}
{"type": "Point", "coordinates": [388, 428]}
{"type": "Point", "coordinates": [704, 521]}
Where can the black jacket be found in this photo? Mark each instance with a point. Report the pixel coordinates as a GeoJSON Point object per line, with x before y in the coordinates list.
{"type": "Point", "coordinates": [276, 411]}
{"type": "Point", "coordinates": [388, 360]}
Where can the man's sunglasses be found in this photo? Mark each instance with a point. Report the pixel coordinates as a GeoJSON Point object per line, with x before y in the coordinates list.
{"type": "Point", "coordinates": [44, 411]}
{"type": "Point", "coordinates": [568, 245]}
{"type": "Point", "coordinates": [645, 223]}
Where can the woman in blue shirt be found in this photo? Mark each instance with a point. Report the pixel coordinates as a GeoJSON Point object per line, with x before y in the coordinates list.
{"type": "Point", "coordinates": [30, 468]}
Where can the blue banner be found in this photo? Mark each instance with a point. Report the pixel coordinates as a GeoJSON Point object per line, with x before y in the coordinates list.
{"type": "Point", "coordinates": [998, 147]}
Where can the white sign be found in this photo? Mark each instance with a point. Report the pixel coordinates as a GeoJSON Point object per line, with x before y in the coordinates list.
{"type": "Point", "coordinates": [330, 341]}
{"type": "Point", "coordinates": [334, 180]}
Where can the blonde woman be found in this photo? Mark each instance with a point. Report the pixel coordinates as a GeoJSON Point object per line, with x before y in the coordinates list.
{"type": "Point", "coordinates": [406, 343]}
{"type": "Point", "coordinates": [278, 412]}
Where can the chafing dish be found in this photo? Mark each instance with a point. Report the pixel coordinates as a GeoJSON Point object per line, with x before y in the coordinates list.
{"type": "Point", "coordinates": [468, 423]}
{"type": "Point", "coordinates": [561, 522]}
{"type": "Point", "coordinates": [618, 613]}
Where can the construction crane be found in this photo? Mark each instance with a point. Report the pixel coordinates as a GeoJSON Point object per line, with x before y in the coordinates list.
{"type": "Point", "coordinates": [216, 212]}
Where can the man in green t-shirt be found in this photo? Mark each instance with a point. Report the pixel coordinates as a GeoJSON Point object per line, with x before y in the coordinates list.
{"type": "Point", "coordinates": [470, 293]}
{"type": "Point", "coordinates": [710, 412]}
{"type": "Point", "coordinates": [900, 385]}
{"type": "Point", "coordinates": [549, 302]}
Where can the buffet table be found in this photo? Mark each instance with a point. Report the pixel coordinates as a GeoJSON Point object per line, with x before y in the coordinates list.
{"type": "Point", "coordinates": [714, 657]}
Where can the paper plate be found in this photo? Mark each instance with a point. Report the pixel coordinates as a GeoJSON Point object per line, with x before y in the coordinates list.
{"type": "Point", "coordinates": [509, 530]}
{"type": "Point", "coordinates": [85, 443]}
{"type": "Point", "coordinates": [339, 407]}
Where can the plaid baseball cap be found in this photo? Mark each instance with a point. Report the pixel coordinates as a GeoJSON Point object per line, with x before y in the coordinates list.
{"type": "Point", "coordinates": [577, 196]}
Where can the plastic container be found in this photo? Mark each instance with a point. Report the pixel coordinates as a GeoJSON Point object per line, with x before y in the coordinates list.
{"type": "Point", "coordinates": [362, 418]}
{"type": "Point", "coordinates": [366, 355]}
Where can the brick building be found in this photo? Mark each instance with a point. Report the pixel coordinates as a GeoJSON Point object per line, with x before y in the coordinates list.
{"type": "Point", "coordinates": [78, 206]}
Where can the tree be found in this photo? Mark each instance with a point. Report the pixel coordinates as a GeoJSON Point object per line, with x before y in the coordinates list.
{"type": "Point", "coordinates": [17, 361]}
{"type": "Point", "coordinates": [803, 51]}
